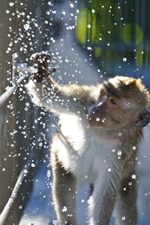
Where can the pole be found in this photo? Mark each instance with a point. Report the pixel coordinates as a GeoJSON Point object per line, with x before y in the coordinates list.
{"type": "Point", "coordinates": [9, 204]}
{"type": "Point", "coordinates": [5, 96]}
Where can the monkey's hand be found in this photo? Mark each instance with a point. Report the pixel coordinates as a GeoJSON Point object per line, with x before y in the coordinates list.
{"type": "Point", "coordinates": [41, 62]}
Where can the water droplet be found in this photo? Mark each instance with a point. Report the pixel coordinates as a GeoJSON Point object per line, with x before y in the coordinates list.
{"type": "Point", "coordinates": [64, 209]}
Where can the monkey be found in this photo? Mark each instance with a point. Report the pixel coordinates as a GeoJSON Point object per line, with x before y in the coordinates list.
{"type": "Point", "coordinates": [100, 128]}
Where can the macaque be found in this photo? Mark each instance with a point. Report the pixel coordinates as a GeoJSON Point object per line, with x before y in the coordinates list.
{"type": "Point", "coordinates": [100, 128]}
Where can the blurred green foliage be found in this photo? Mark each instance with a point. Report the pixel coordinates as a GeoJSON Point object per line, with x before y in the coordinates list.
{"type": "Point", "coordinates": [111, 30]}
{"type": "Point", "coordinates": [132, 33]}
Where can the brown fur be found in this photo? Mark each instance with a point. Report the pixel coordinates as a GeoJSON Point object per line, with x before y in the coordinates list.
{"type": "Point", "coordinates": [85, 151]}
{"type": "Point", "coordinates": [128, 88]}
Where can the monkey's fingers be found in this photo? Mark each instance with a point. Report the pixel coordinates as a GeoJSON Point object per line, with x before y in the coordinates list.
{"type": "Point", "coordinates": [42, 65]}
{"type": "Point", "coordinates": [42, 73]}
{"type": "Point", "coordinates": [41, 56]}
{"type": "Point", "coordinates": [41, 60]}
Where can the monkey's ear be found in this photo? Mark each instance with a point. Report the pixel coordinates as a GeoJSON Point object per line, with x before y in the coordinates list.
{"type": "Point", "coordinates": [144, 118]}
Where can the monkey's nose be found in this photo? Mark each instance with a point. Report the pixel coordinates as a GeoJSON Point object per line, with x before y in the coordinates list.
{"type": "Point", "coordinates": [96, 109]}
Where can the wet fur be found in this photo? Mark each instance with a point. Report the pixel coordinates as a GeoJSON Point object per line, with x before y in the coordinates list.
{"type": "Point", "coordinates": [82, 153]}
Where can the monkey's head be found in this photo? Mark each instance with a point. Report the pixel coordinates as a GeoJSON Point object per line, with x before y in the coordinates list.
{"type": "Point", "coordinates": [121, 101]}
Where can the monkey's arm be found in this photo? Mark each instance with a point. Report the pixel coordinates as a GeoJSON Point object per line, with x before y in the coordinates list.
{"type": "Point", "coordinates": [47, 93]}
{"type": "Point", "coordinates": [59, 99]}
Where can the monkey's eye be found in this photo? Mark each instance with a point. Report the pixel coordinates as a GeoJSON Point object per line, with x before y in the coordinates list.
{"type": "Point", "coordinates": [113, 101]}
{"type": "Point", "coordinates": [103, 92]}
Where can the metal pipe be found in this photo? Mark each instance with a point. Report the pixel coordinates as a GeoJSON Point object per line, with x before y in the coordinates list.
{"type": "Point", "coordinates": [9, 204]}
{"type": "Point", "coordinates": [4, 97]}
{"type": "Point", "coordinates": [14, 56]}
{"type": "Point", "coordinates": [28, 71]}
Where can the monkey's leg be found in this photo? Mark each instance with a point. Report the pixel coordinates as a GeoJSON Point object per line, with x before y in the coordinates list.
{"type": "Point", "coordinates": [101, 203]}
{"type": "Point", "coordinates": [126, 212]}
{"type": "Point", "coordinates": [64, 188]}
